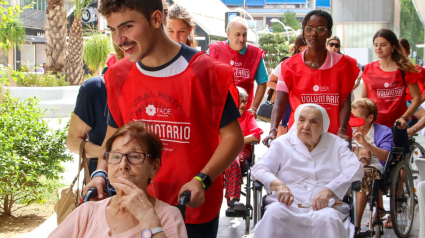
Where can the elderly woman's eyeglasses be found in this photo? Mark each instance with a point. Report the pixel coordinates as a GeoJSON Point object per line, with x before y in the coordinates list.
{"type": "Point", "coordinates": [243, 101]}
{"type": "Point", "coordinates": [334, 44]}
{"type": "Point", "coordinates": [308, 30]}
{"type": "Point", "coordinates": [133, 158]}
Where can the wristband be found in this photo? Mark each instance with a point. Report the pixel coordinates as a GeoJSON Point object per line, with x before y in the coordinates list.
{"type": "Point", "coordinates": [98, 172]}
{"type": "Point", "coordinates": [342, 129]}
{"type": "Point", "coordinates": [273, 129]}
{"type": "Point", "coordinates": [200, 180]}
{"type": "Point", "coordinates": [404, 118]}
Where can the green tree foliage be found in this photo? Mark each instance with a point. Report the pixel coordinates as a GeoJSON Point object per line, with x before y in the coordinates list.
{"type": "Point", "coordinates": [288, 19]}
{"type": "Point", "coordinates": [96, 49]}
{"type": "Point", "coordinates": [275, 48]}
{"type": "Point", "coordinates": [12, 31]}
{"type": "Point", "coordinates": [30, 153]}
{"type": "Point", "coordinates": [411, 27]}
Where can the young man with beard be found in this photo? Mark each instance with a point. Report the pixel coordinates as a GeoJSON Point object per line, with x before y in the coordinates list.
{"type": "Point", "coordinates": [185, 97]}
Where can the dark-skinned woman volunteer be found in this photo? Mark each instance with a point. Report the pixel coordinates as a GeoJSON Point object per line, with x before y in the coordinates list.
{"type": "Point", "coordinates": [384, 83]}
{"type": "Point", "coordinates": [316, 76]}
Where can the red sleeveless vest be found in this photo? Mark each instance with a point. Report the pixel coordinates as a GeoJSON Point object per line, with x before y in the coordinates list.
{"type": "Point", "coordinates": [185, 112]}
{"type": "Point", "coordinates": [386, 89]}
{"type": "Point", "coordinates": [246, 65]}
{"type": "Point", "coordinates": [328, 88]}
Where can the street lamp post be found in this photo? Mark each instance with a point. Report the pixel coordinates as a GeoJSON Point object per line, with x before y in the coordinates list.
{"type": "Point", "coordinates": [255, 25]}
{"type": "Point", "coordinates": [284, 27]}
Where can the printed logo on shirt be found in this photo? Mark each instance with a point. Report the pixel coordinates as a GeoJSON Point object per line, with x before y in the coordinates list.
{"type": "Point", "coordinates": [242, 73]}
{"type": "Point", "coordinates": [322, 98]}
{"type": "Point", "coordinates": [169, 131]}
{"type": "Point", "coordinates": [322, 88]}
{"type": "Point", "coordinates": [151, 110]}
{"type": "Point", "coordinates": [388, 85]}
{"type": "Point", "coordinates": [232, 62]}
{"type": "Point", "coordinates": [388, 93]}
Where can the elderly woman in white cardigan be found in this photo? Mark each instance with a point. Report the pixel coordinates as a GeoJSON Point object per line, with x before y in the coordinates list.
{"type": "Point", "coordinates": [311, 167]}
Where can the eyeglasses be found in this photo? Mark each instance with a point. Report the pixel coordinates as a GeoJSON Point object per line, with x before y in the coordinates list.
{"type": "Point", "coordinates": [334, 44]}
{"type": "Point", "coordinates": [243, 101]}
{"type": "Point", "coordinates": [133, 158]}
{"type": "Point", "coordinates": [308, 30]}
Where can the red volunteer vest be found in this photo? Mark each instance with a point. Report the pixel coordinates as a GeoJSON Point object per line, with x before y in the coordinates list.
{"type": "Point", "coordinates": [386, 89]}
{"type": "Point", "coordinates": [185, 112]}
{"type": "Point", "coordinates": [328, 88]}
{"type": "Point", "coordinates": [246, 65]}
{"type": "Point", "coordinates": [420, 83]}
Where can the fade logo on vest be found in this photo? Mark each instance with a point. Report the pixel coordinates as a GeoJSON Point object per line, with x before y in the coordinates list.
{"type": "Point", "coordinates": [390, 92]}
{"type": "Point", "coordinates": [317, 88]}
{"type": "Point", "coordinates": [321, 98]}
{"type": "Point", "coordinates": [151, 110]}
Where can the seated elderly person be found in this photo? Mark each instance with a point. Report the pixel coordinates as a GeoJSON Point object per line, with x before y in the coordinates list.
{"type": "Point", "coordinates": [134, 157]}
{"type": "Point", "coordinates": [372, 143]}
{"type": "Point", "coordinates": [251, 133]}
{"type": "Point", "coordinates": [308, 167]}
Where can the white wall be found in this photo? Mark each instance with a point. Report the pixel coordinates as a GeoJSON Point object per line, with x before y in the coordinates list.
{"type": "Point", "coordinates": [40, 54]}
{"type": "Point", "coordinates": [360, 54]}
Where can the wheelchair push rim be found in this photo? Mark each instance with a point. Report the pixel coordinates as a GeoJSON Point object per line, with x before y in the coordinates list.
{"type": "Point", "coordinates": [416, 151]}
{"type": "Point", "coordinates": [402, 202]}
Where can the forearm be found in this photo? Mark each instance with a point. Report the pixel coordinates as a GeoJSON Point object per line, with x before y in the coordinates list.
{"type": "Point", "coordinates": [231, 144]}
{"type": "Point", "coordinates": [250, 138]}
{"type": "Point", "coordinates": [276, 184]}
{"type": "Point", "coordinates": [279, 108]}
{"type": "Point", "coordinates": [259, 94]}
{"type": "Point", "coordinates": [378, 152]}
{"type": "Point", "coordinates": [364, 91]}
{"type": "Point", "coordinates": [345, 112]}
{"type": "Point", "coordinates": [416, 100]}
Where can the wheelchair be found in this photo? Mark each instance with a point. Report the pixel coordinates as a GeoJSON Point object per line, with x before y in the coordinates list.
{"type": "Point", "coordinates": [248, 187]}
{"type": "Point", "coordinates": [396, 183]}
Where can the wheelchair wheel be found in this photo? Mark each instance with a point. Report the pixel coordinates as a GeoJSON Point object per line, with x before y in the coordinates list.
{"type": "Point", "coordinates": [377, 230]}
{"type": "Point", "coordinates": [416, 151]}
{"type": "Point", "coordinates": [402, 202]}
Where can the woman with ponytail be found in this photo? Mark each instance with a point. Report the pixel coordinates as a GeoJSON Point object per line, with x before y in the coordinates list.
{"type": "Point", "coordinates": [180, 26]}
{"type": "Point", "coordinates": [386, 79]}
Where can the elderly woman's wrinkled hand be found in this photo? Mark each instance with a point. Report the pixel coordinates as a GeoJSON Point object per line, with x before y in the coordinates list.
{"type": "Point", "coordinates": [135, 201]}
{"type": "Point", "coordinates": [322, 199]}
{"type": "Point", "coordinates": [359, 137]}
{"type": "Point", "coordinates": [285, 196]}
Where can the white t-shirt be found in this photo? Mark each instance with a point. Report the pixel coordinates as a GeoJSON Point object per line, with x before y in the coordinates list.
{"type": "Point", "coordinates": [370, 139]}
{"type": "Point", "coordinates": [276, 72]}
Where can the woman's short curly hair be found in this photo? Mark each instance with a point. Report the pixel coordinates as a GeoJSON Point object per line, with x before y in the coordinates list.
{"type": "Point", "coordinates": [146, 7]}
{"type": "Point", "coordinates": [368, 105]}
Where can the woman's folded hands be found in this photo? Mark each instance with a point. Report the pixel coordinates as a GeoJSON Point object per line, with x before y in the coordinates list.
{"type": "Point", "coordinates": [322, 199]}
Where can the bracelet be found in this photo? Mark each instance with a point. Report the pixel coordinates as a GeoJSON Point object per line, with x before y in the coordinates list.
{"type": "Point", "coordinates": [273, 129]}
{"type": "Point", "coordinates": [253, 108]}
{"type": "Point", "coordinates": [200, 180]}
{"type": "Point", "coordinates": [99, 171]}
{"type": "Point", "coordinates": [342, 129]}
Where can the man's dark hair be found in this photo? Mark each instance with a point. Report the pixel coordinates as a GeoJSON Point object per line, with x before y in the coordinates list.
{"type": "Point", "coordinates": [146, 7]}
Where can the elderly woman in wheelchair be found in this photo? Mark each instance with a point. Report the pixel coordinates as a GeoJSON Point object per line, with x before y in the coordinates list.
{"type": "Point", "coordinates": [372, 143]}
{"type": "Point", "coordinates": [307, 171]}
{"type": "Point", "coordinates": [134, 157]}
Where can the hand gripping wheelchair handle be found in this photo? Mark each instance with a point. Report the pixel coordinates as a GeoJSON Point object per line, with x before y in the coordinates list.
{"type": "Point", "coordinates": [184, 198]}
{"type": "Point", "coordinates": [91, 193]}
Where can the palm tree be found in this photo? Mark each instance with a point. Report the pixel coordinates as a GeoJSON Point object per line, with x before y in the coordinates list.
{"type": "Point", "coordinates": [55, 31]}
{"type": "Point", "coordinates": [74, 60]}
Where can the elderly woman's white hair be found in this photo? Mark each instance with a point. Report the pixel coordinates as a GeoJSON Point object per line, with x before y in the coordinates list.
{"type": "Point", "coordinates": [242, 92]}
{"type": "Point", "coordinates": [236, 19]}
{"type": "Point", "coordinates": [325, 116]}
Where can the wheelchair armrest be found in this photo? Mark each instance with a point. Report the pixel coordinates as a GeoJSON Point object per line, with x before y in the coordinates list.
{"type": "Point", "coordinates": [397, 149]}
{"type": "Point", "coordinates": [356, 186]}
{"type": "Point", "coordinates": [258, 185]}
{"type": "Point", "coordinates": [254, 143]}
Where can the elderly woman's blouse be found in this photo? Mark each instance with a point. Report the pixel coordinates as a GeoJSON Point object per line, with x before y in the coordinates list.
{"type": "Point", "coordinates": [89, 220]}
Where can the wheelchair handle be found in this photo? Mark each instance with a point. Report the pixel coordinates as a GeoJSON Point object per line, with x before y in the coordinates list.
{"type": "Point", "coordinates": [91, 193]}
{"type": "Point", "coordinates": [397, 123]}
{"type": "Point", "coordinates": [184, 198]}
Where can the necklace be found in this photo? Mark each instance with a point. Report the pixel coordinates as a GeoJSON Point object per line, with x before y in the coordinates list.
{"type": "Point", "coordinates": [312, 64]}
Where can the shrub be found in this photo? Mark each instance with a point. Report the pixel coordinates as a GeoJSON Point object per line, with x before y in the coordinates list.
{"type": "Point", "coordinates": [30, 153]}
{"type": "Point", "coordinates": [96, 49]}
{"type": "Point", "coordinates": [42, 80]}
